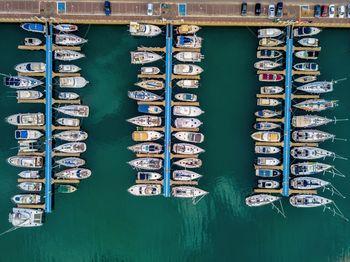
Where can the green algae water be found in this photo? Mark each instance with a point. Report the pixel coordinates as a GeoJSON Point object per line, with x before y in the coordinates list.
{"type": "Point", "coordinates": [102, 222]}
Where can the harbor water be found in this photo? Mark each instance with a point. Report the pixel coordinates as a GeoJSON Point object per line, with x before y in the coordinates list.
{"type": "Point", "coordinates": [103, 222]}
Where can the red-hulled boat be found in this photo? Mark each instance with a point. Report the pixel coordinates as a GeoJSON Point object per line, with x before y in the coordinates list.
{"type": "Point", "coordinates": [270, 77]}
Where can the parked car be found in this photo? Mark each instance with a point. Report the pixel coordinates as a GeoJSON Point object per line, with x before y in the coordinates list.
{"type": "Point", "coordinates": [149, 9]}
{"type": "Point", "coordinates": [341, 11]}
{"type": "Point", "coordinates": [244, 9]}
{"type": "Point", "coordinates": [317, 11]}
{"type": "Point", "coordinates": [271, 11]}
{"type": "Point", "coordinates": [257, 9]}
{"type": "Point", "coordinates": [279, 9]}
{"type": "Point", "coordinates": [107, 8]}
{"type": "Point", "coordinates": [331, 11]}
{"type": "Point", "coordinates": [324, 10]}
{"type": "Point", "coordinates": [348, 10]}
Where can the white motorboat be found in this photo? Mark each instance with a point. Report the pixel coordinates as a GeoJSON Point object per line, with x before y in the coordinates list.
{"type": "Point", "coordinates": [268, 102]}
{"type": "Point", "coordinates": [266, 136]}
{"type": "Point", "coordinates": [306, 183]}
{"type": "Point", "coordinates": [143, 96]}
{"type": "Point", "coordinates": [189, 163]}
{"type": "Point", "coordinates": [144, 57]}
{"type": "Point", "coordinates": [151, 84]}
{"type": "Point", "coordinates": [31, 67]}
{"type": "Point", "coordinates": [25, 217]}
{"type": "Point", "coordinates": [74, 173]}
{"type": "Point", "coordinates": [145, 190]}
{"type": "Point", "coordinates": [150, 70]}
{"type": "Point", "coordinates": [191, 57]}
{"type": "Point", "coordinates": [316, 105]}
{"type": "Point", "coordinates": [69, 40]}
{"type": "Point", "coordinates": [185, 175]}
{"type": "Point", "coordinates": [269, 32]}
{"type": "Point", "coordinates": [68, 95]}
{"type": "Point", "coordinates": [260, 200]}
{"type": "Point", "coordinates": [309, 201]}
{"type": "Point", "coordinates": [320, 87]}
{"type": "Point", "coordinates": [187, 149]}
{"type": "Point", "coordinates": [268, 54]}
{"type": "Point", "coordinates": [309, 42]}
{"type": "Point", "coordinates": [184, 122]}
{"type": "Point", "coordinates": [66, 27]}
{"type": "Point", "coordinates": [31, 41]}
{"type": "Point", "coordinates": [266, 126]}
{"type": "Point", "coordinates": [26, 199]}
{"type": "Point", "coordinates": [146, 121]}
{"type": "Point", "coordinates": [146, 135]}
{"type": "Point", "coordinates": [306, 31]}
{"type": "Point", "coordinates": [271, 90]}
{"type": "Point", "coordinates": [187, 69]}
{"type": "Point", "coordinates": [311, 135]}
{"type": "Point", "coordinates": [310, 121]}
{"type": "Point", "coordinates": [28, 94]}
{"type": "Point", "coordinates": [270, 42]}
{"type": "Point", "coordinates": [268, 184]}
{"type": "Point", "coordinates": [266, 65]}
{"type": "Point", "coordinates": [309, 168]}
{"type": "Point", "coordinates": [72, 147]}
{"type": "Point", "coordinates": [187, 29]}
{"type": "Point", "coordinates": [146, 148]}
{"type": "Point", "coordinates": [30, 174]}
{"type": "Point", "coordinates": [310, 153]}
{"type": "Point", "coordinates": [187, 192]}
{"type": "Point", "coordinates": [188, 83]}
{"type": "Point", "coordinates": [305, 54]}
{"type": "Point", "coordinates": [68, 68]}
{"type": "Point", "coordinates": [21, 134]}
{"type": "Point", "coordinates": [305, 79]}
{"type": "Point", "coordinates": [267, 161]}
{"type": "Point", "coordinates": [138, 29]}
{"type": "Point", "coordinates": [21, 82]}
{"type": "Point", "coordinates": [188, 41]}
{"type": "Point", "coordinates": [67, 55]}
{"type": "Point", "coordinates": [186, 97]}
{"type": "Point", "coordinates": [74, 110]}
{"type": "Point", "coordinates": [267, 149]}
{"type": "Point", "coordinates": [64, 121]}
{"type": "Point", "coordinates": [71, 162]}
{"type": "Point", "coordinates": [187, 111]}
{"type": "Point", "coordinates": [147, 163]}
{"type": "Point", "coordinates": [27, 146]}
{"type": "Point", "coordinates": [191, 137]}
{"type": "Point", "coordinates": [71, 135]}
{"type": "Point", "coordinates": [30, 186]}
{"type": "Point", "coordinates": [73, 82]}
{"type": "Point", "coordinates": [306, 66]}
{"type": "Point", "coordinates": [28, 119]}
{"type": "Point", "coordinates": [148, 176]}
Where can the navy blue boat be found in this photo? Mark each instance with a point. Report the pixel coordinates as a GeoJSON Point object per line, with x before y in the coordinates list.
{"type": "Point", "coordinates": [34, 27]}
{"type": "Point", "coordinates": [21, 82]}
{"type": "Point", "coordinates": [267, 173]}
{"type": "Point", "coordinates": [149, 109]}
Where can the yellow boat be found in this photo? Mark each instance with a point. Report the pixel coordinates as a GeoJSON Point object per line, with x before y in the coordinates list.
{"type": "Point", "coordinates": [266, 136]}
{"type": "Point", "coordinates": [146, 135]}
{"type": "Point", "coordinates": [187, 29]}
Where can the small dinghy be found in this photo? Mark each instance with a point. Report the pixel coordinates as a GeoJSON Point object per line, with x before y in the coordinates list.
{"type": "Point", "coordinates": [69, 40]}
{"type": "Point", "coordinates": [261, 172]}
{"type": "Point", "coordinates": [26, 217]}
{"type": "Point", "coordinates": [30, 174]}
{"type": "Point", "coordinates": [266, 65]}
{"type": "Point", "coordinates": [26, 199]}
{"type": "Point", "coordinates": [31, 67]}
{"type": "Point", "coordinates": [189, 163]}
{"type": "Point", "coordinates": [306, 31]}
{"type": "Point", "coordinates": [309, 42]}
{"type": "Point", "coordinates": [188, 83]}
{"type": "Point", "coordinates": [188, 41]}
{"type": "Point", "coordinates": [28, 134]}
{"type": "Point", "coordinates": [68, 121]}
{"type": "Point", "coordinates": [270, 42]}
{"type": "Point", "coordinates": [73, 82]}
{"type": "Point", "coordinates": [151, 84]}
{"type": "Point", "coordinates": [311, 55]}
{"type": "Point", "coordinates": [267, 102]}
{"type": "Point", "coordinates": [191, 57]}
{"type": "Point", "coordinates": [68, 68]}
{"type": "Point", "coordinates": [30, 186]}
{"type": "Point", "coordinates": [66, 27]}
{"type": "Point", "coordinates": [138, 29]}
{"type": "Point", "coordinates": [305, 183]}
{"type": "Point", "coordinates": [26, 161]}
{"type": "Point", "coordinates": [309, 201]}
{"type": "Point", "coordinates": [21, 82]}
{"type": "Point", "coordinates": [313, 67]}
{"type": "Point", "coordinates": [146, 121]}
{"type": "Point", "coordinates": [266, 136]}
{"type": "Point", "coordinates": [143, 96]}
{"type": "Point", "coordinates": [320, 87]}
{"type": "Point", "coordinates": [27, 146]}
{"type": "Point", "coordinates": [267, 150]}
{"type": "Point", "coordinates": [31, 41]}
{"type": "Point", "coordinates": [260, 200]}
{"type": "Point", "coordinates": [310, 153]}
{"type": "Point", "coordinates": [149, 70]}
{"type": "Point", "coordinates": [28, 119]}
{"type": "Point", "coordinates": [187, 192]}
{"type": "Point", "coordinates": [67, 55]}
{"type": "Point", "coordinates": [146, 148]}
{"type": "Point", "coordinates": [148, 176]}
{"type": "Point", "coordinates": [145, 190]}
{"type": "Point", "coordinates": [147, 163]}
{"type": "Point", "coordinates": [310, 121]}
{"type": "Point", "coordinates": [268, 184]}
{"type": "Point", "coordinates": [269, 32]}
{"type": "Point", "coordinates": [149, 109]}
{"type": "Point", "coordinates": [316, 105]}
{"type": "Point", "coordinates": [271, 90]}
{"type": "Point", "coordinates": [28, 94]}
{"type": "Point", "coordinates": [34, 27]}
{"type": "Point", "coordinates": [68, 95]}
{"type": "Point", "coordinates": [266, 126]}
{"type": "Point", "coordinates": [266, 113]}
{"type": "Point", "coordinates": [187, 29]}
{"type": "Point", "coordinates": [140, 58]}
{"type": "Point", "coordinates": [66, 189]}
{"type": "Point", "coordinates": [71, 162]}
{"type": "Point", "coordinates": [74, 110]}
{"type": "Point", "coordinates": [187, 149]}
{"type": "Point", "coordinates": [146, 135]}
{"type": "Point", "coordinates": [187, 111]}
{"type": "Point", "coordinates": [305, 79]}
{"type": "Point", "coordinates": [185, 175]}
{"type": "Point", "coordinates": [309, 168]}
{"type": "Point", "coordinates": [270, 77]}
{"type": "Point", "coordinates": [311, 135]}
{"type": "Point", "coordinates": [191, 137]}
{"type": "Point", "coordinates": [187, 97]}
{"type": "Point", "coordinates": [184, 122]}
{"type": "Point", "coordinates": [74, 173]}
{"type": "Point", "coordinates": [187, 69]}
{"type": "Point", "coordinates": [72, 147]}
{"type": "Point", "coordinates": [267, 161]}
{"type": "Point", "coordinates": [268, 54]}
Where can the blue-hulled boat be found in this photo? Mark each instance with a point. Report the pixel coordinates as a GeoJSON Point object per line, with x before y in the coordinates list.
{"type": "Point", "coordinates": [150, 109]}
{"type": "Point", "coordinates": [267, 173]}
{"type": "Point", "coordinates": [27, 134]}
{"type": "Point", "coordinates": [21, 82]}
{"type": "Point", "coordinates": [34, 27]}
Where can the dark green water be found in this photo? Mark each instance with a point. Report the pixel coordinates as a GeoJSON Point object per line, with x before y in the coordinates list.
{"type": "Point", "coordinates": [102, 222]}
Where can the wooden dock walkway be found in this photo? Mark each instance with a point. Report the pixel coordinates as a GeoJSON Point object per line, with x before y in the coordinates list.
{"type": "Point", "coordinates": [54, 101]}
{"type": "Point", "coordinates": [172, 182]}
{"type": "Point", "coordinates": [44, 74]}
{"type": "Point", "coordinates": [279, 191]}
{"type": "Point", "coordinates": [43, 48]}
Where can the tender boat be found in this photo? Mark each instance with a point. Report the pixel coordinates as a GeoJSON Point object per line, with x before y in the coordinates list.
{"type": "Point", "coordinates": [74, 110]}
{"type": "Point", "coordinates": [266, 65]}
{"type": "Point", "coordinates": [148, 176]}
{"type": "Point", "coordinates": [271, 90]}
{"type": "Point", "coordinates": [26, 217]}
{"type": "Point", "coordinates": [320, 87]}
{"type": "Point", "coordinates": [307, 54]}
{"type": "Point", "coordinates": [30, 186]}
{"type": "Point", "coordinates": [71, 162]}
{"type": "Point", "coordinates": [64, 121]}
{"type": "Point", "coordinates": [269, 32]}
{"type": "Point", "coordinates": [151, 84]}
{"type": "Point", "coordinates": [26, 199]}
{"type": "Point", "coordinates": [27, 119]}
{"type": "Point", "coordinates": [267, 161]}
{"type": "Point", "coordinates": [188, 83]}
{"type": "Point", "coordinates": [268, 54]}
{"type": "Point", "coordinates": [137, 29]}
{"type": "Point", "coordinates": [146, 121]}
{"type": "Point", "coordinates": [67, 55]}
{"type": "Point", "coordinates": [309, 201]}
{"type": "Point", "coordinates": [306, 31]}
{"type": "Point", "coordinates": [150, 70]}
{"type": "Point", "coordinates": [72, 147]}
{"type": "Point", "coordinates": [149, 109]}
{"type": "Point", "coordinates": [68, 95]}
{"type": "Point", "coordinates": [187, 111]}
{"type": "Point", "coordinates": [310, 121]}
{"type": "Point", "coordinates": [27, 146]}
{"type": "Point", "coordinates": [73, 82]}
{"type": "Point", "coordinates": [192, 57]}
{"type": "Point", "coordinates": [189, 41]}
{"type": "Point", "coordinates": [69, 40]}
{"type": "Point", "coordinates": [147, 163]}
{"type": "Point", "coordinates": [31, 41]}
{"type": "Point", "coordinates": [144, 57]}
{"type": "Point", "coordinates": [66, 189]}
{"type": "Point", "coordinates": [31, 67]}
{"type": "Point", "coordinates": [187, 149]}
{"type": "Point", "coordinates": [74, 173]}
{"type": "Point", "coordinates": [28, 94]}
{"type": "Point", "coordinates": [71, 135]}
{"type": "Point", "coordinates": [34, 27]}
{"type": "Point", "coordinates": [189, 163]}
{"type": "Point", "coordinates": [267, 150]}
{"type": "Point", "coordinates": [191, 137]}
{"type": "Point", "coordinates": [30, 174]}
{"type": "Point", "coordinates": [268, 184]}
{"type": "Point", "coordinates": [28, 134]}
{"type": "Point", "coordinates": [184, 122]}
{"type": "Point", "coordinates": [146, 135]}
{"type": "Point", "coordinates": [146, 148]}
{"type": "Point", "coordinates": [187, 69]}
{"type": "Point", "coordinates": [66, 27]}
{"type": "Point", "coordinates": [310, 153]}
{"type": "Point", "coordinates": [68, 68]}
{"type": "Point", "coordinates": [316, 105]}
{"type": "Point", "coordinates": [187, 192]}
{"type": "Point", "coordinates": [187, 97]}
{"type": "Point", "coordinates": [266, 136]}
{"type": "Point", "coordinates": [270, 42]}
{"type": "Point", "coordinates": [143, 96]}
{"type": "Point", "coordinates": [309, 42]}
{"type": "Point", "coordinates": [309, 168]}
{"type": "Point", "coordinates": [270, 77]}
{"type": "Point", "coordinates": [21, 82]}
{"type": "Point", "coordinates": [260, 200]}
{"type": "Point", "coordinates": [311, 135]}
{"type": "Point", "coordinates": [305, 79]}
{"type": "Point", "coordinates": [261, 172]}
{"type": "Point", "coordinates": [267, 102]}
{"type": "Point", "coordinates": [313, 67]}
{"type": "Point", "coordinates": [145, 190]}
{"type": "Point", "coordinates": [305, 183]}
{"type": "Point", "coordinates": [266, 113]}
{"type": "Point", "coordinates": [265, 126]}
{"type": "Point", "coordinates": [187, 29]}
{"type": "Point", "coordinates": [185, 175]}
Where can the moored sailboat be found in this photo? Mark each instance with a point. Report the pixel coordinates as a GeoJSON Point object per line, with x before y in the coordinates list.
{"type": "Point", "coordinates": [260, 200]}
